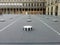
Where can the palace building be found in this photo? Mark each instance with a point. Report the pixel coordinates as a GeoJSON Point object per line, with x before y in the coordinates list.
{"type": "Point", "coordinates": [53, 7]}
{"type": "Point", "coordinates": [22, 7]}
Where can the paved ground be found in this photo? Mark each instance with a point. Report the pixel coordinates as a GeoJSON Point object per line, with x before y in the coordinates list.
{"type": "Point", "coordinates": [45, 30]}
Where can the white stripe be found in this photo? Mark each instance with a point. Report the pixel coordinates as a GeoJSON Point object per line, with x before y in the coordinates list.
{"type": "Point", "coordinates": [8, 25]}
{"type": "Point", "coordinates": [50, 27]}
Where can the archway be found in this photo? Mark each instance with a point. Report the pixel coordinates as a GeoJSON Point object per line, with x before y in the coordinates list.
{"type": "Point", "coordinates": [56, 11]}
{"type": "Point", "coordinates": [48, 11]}
{"type": "Point", "coordinates": [51, 10]}
{"type": "Point", "coordinates": [0, 11]}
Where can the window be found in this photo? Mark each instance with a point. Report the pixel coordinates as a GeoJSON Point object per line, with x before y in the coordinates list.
{"type": "Point", "coordinates": [37, 4]}
{"type": "Point", "coordinates": [29, 29]}
{"type": "Point", "coordinates": [24, 4]}
{"type": "Point", "coordinates": [31, 4]}
{"type": "Point", "coordinates": [25, 29]}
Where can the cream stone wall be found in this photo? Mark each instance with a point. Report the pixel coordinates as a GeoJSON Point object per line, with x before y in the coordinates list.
{"type": "Point", "coordinates": [10, 5]}
{"type": "Point", "coordinates": [53, 3]}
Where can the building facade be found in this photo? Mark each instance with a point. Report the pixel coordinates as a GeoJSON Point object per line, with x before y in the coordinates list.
{"type": "Point", "coordinates": [53, 7]}
{"type": "Point", "coordinates": [22, 7]}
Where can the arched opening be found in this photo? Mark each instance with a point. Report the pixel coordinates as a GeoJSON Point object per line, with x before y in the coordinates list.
{"type": "Point", "coordinates": [8, 11]}
{"type": "Point", "coordinates": [56, 11]}
{"type": "Point", "coordinates": [51, 10]}
{"type": "Point", "coordinates": [48, 11]}
{"type": "Point", "coordinates": [44, 11]}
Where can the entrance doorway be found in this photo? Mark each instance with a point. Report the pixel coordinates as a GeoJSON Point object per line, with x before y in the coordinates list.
{"type": "Point", "coordinates": [56, 11]}
{"type": "Point", "coordinates": [51, 10]}
{"type": "Point", "coordinates": [48, 11]}
{"type": "Point", "coordinates": [0, 11]}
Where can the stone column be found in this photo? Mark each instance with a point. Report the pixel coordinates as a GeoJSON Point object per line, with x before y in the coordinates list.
{"type": "Point", "coordinates": [54, 10]}
{"type": "Point", "coordinates": [59, 9]}
{"type": "Point", "coordinates": [46, 10]}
